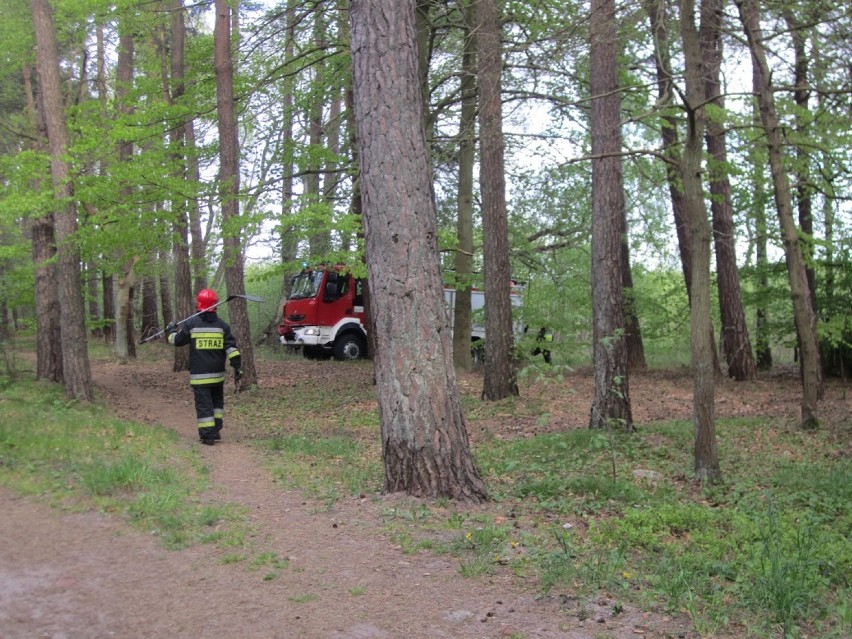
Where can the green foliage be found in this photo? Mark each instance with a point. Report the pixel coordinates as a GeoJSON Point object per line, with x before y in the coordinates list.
{"type": "Point", "coordinates": [770, 545]}
{"type": "Point", "coordinates": [327, 468]}
{"type": "Point", "coordinates": [78, 455]}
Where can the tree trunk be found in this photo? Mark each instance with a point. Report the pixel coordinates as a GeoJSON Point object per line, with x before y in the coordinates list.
{"type": "Point", "coordinates": [632, 329]}
{"type": "Point", "coordinates": [126, 280]}
{"type": "Point", "coordinates": [805, 318]}
{"type": "Point", "coordinates": [48, 337]}
{"type": "Point", "coordinates": [757, 160]}
{"type": "Point", "coordinates": [500, 374]}
{"type": "Point", "coordinates": [801, 170]}
{"type": "Point", "coordinates": [149, 323]}
{"type": "Point", "coordinates": [736, 344]}
{"type": "Point", "coordinates": [424, 436]}
{"type": "Point", "coordinates": [671, 143]}
{"type": "Point", "coordinates": [181, 208]}
{"type": "Point", "coordinates": [48, 332]}
{"type": "Point", "coordinates": [464, 221]}
{"type": "Point", "coordinates": [229, 189]}
{"type": "Point", "coordinates": [319, 239]}
{"type": "Point", "coordinates": [108, 301]}
{"type": "Point", "coordinates": [75, 358]}
{"type": "Point", "coordinates": [701, 330]}
{"type": "Point", "coordinates": [611, 401]}
{"type": "Point", "coordinates": [165, 292]}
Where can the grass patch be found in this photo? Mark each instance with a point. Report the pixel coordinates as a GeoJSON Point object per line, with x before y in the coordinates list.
{"type": "Point", "coordinates": [326, 468]}
{"type": "Point", "coordinates": [78, 456]}
{"type": "Point", "coordinates": [767, 550]}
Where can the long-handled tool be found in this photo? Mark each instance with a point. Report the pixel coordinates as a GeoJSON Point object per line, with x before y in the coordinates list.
{"type": "Point", "coordinates": [250, 298]}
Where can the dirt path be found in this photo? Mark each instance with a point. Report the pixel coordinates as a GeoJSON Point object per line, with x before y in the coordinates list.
{"type": "Point", "coordinates": [91, 576]}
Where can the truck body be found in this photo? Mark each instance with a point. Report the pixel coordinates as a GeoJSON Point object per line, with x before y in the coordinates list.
{"type": "Point", "coordinates": [324, 313]}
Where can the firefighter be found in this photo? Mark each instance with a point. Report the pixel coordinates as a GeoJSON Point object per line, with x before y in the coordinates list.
{"type": "Point", "coordinates": [211, 345]}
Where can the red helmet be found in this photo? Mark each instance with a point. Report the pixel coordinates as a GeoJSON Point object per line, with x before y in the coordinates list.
{"type": "Point", "coordinates": [206, 299]}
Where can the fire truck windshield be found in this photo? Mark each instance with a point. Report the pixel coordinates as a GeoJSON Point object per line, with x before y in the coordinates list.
{"type": "Point", "coordinates": [305, 285]}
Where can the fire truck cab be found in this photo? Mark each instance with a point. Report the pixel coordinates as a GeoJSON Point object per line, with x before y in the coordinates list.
{"type": "Point", "coordinates": [324, 314]}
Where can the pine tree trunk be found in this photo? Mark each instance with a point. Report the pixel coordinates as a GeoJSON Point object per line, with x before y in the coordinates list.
{"type": "Point", "coordinates": [499, 372]}
{"type": "Point", "coordinates": [611, 402]}
{"type": "Point", "coordinates": [48, 337]}
{"type": "Point", "coordinates": [424, 436]}
{"type": "Point", "coordinates": [75, 358]}
{"type": "Point", "coordinates": [736, 344]}
{"type": "Point", "coordinates": [229, 188]}
{"type": "Point", "coordinates": [464, 223]}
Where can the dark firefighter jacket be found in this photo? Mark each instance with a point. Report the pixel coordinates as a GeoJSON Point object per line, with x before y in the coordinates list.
{"type": "Point", "coordinates": [211, 344]}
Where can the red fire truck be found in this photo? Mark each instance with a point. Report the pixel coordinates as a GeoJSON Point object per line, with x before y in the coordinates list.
{"type": "Point", "coordinates": [324, 314]}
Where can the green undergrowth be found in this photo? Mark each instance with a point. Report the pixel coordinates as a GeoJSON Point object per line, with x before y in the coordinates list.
{"type": "Point", "coordinates": [766, 553]}
{"type": "Point", "coordinates": [325, 468]}
{"type": "Point", "coordinates": [77, 456]}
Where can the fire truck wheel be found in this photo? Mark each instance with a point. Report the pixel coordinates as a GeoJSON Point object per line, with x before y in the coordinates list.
{"type": "Point", "coordinates": [349, 346]}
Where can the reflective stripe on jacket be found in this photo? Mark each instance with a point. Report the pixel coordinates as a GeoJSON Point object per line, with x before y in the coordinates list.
{"type": "Point", "coordinates": [211, 345]}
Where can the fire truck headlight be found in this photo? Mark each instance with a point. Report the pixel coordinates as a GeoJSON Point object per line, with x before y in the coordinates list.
{"type": "Point", "coordinates": [311, 331]}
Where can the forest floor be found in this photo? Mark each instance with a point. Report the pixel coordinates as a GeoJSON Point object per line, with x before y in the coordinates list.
{"type": "Point", "coordinates": [90, 575]}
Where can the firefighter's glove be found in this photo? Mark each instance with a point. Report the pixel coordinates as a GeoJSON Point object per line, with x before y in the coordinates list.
{"type": "Point", "coordinates": [171, 328]}
{"type": "Point", "coordinates": [238, 375]}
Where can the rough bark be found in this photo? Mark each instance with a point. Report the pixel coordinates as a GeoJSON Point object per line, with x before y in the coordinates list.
{"type": "Point", "coordinates": [125, 345]}
{"type": "Point", "coordinates": [736, 343]}
{"type": "Point", "coordinates": [463, 260]}
{"type": "Point", "coordinates": [229, 188]}
{"type": "Point", "coordinates": [77, 375]}
{"type": "Point", "coordinates": [671, 146]}
{"type": "Point", "coordinates": [632, 328]}
{"type": "Point", "coordinates": [425, 444]}
{"type": "Point", "coordinates": [181, 208]}
{"type": "Point", "coordinates": [611, 400]}
{"type": "Point", "coordinates": [48, 338]}
{"type": "Point", "coordinates": [499, 373]}
{"type": "Point", "coordinates": [701, 330]}
{"type": "Point", "coordinates": [803, 314]}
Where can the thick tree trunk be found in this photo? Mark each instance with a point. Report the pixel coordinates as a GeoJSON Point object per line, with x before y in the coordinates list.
{"type": "Point", "coordinates": [229, 188]}
{"type": "Point", "coordinates": [425, 444]}
{"type": "Point", "coordinates": [48, 332]}
{"type": "Point", "coordinates": [499, 373]}
{"type": "Point", "coordinates": [736, 344]}
{"type": "Point", "coordinates": [701, 330]}
{"type": "Point", "coordinates": [611, 400]}
{"type": "Point", "coordinates": [464, 221]}
{"type": "Point", "coordinates": [805, 318]}
{"type": "Point", "coordinates": [48, 337]}
{"type": "Point", "coordinates": [75, 358]}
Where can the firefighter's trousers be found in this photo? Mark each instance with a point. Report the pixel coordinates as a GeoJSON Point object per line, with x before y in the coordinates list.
{"type": "Point", "coordinates": [209, 409]}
